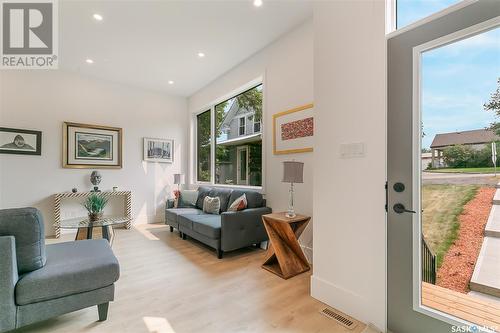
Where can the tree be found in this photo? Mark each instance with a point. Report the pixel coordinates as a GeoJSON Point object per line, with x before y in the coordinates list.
{"type": "Point", "coordinates": [494, 105]}
{"type": "Point", "coordinates": [457, 156]}
{"type": "Point", "coordinates": [252, 100]}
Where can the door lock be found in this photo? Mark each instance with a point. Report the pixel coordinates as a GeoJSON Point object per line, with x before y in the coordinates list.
{"type": "Point", "coordinates": [400, 209]}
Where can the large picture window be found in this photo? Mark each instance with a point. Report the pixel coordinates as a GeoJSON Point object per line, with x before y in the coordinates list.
{"type": "Point", "coordinates": [237, 140]}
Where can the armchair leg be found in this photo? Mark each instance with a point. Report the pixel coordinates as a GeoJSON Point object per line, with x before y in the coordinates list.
{"type": "Point", "coordinates": [171, 229]}
{"type": "Point", "coordinates": [219, 253]}
{"type": "Point", "coordinates": [103, 311]}
{"type": "Point", "coordinates": [180, 234]}
{"type": "Point", "coordinates": [184, 236]}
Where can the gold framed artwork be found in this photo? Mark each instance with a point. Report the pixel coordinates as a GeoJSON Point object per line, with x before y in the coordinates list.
{"type": "Point", "coordinates": [91, 146]}
{"type": "Point", "coordinates": [293, 130]}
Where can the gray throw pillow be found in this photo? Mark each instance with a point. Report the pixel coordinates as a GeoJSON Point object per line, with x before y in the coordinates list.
{"type": "Point", "coordinates": [188, 198]}
{"type": "Point", "coordinates": [211, 205]}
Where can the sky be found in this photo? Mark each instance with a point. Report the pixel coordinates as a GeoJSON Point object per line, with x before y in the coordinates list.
{"type": "Point", "coordinates": [457, 79]}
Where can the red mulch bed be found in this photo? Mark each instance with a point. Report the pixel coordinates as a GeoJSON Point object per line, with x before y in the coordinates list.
{"type": "Point", "coordinates": [458, 263]}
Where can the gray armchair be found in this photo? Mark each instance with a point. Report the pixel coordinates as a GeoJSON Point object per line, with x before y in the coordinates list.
{"type": "Point", "coordinates": [38, 282]}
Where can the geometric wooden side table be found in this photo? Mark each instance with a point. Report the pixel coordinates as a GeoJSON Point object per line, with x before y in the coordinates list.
{"type": "Point", "coordinates": [284, 256]}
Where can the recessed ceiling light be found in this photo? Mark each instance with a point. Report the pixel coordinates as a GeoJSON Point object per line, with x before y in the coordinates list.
{"type": "Point", "coordinates": [97, 17]}
{"type": "Point", "coordinates": [201, 55]}
{"type": "Point", "coordinates": [257, 3]}
{"type": "Point", "coordinates": [89, 61]}
{"type": "Point", "coordinates": [170, 82]}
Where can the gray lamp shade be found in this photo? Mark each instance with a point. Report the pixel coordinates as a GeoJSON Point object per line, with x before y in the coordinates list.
{"type": "Point", "coordinates": [178, 178]}
{"type": "Point", "coordinates": [293, 172]}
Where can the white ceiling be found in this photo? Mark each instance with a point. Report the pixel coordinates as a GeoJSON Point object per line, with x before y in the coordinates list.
{"type": "Point", "coordinates": [148, 43]}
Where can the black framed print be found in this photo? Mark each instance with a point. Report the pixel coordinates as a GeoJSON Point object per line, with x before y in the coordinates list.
{"type": "Point", "coordinates": [20, 141]}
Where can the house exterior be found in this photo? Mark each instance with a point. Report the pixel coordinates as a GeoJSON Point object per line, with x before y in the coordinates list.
{"type": "Point", "coordinates": [239, 147]}
{"type": "Point", "coordinates": [476, 139]}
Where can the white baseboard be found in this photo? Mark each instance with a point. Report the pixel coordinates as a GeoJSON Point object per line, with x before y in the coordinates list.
{"type": "Point", "coordinates": [342, 299]}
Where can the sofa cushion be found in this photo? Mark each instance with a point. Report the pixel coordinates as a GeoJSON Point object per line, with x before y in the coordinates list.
{"type": "Point", "coordinates": [26, 225]}
{"type": "Point", "coordinates": [71, 268]}
{"type": "Point", "coordinates": [207, 225]}
{"type": "Point", "coordinates": [172, 214]}
{"type": "Point", "coordinates": [185, 221]}
{"type": "Point", "coordinates": [202, 193]}
{"type": "Point", "coordinates": [254, 198]}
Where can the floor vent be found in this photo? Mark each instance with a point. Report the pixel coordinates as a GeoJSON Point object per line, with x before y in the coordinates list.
{"type": "Point", "coordinates": [340, 318]}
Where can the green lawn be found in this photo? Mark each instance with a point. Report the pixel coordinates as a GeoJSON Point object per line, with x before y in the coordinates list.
{"type": "Point", "coordinates": [466, 170]}
{"type": "Point", "coordinates": [442, 205]}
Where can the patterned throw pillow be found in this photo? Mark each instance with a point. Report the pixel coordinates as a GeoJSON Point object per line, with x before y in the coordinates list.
{"type": "Point", "coordinates": [211, 205]}
{"type": "Point", "coordinates": [239, 204]}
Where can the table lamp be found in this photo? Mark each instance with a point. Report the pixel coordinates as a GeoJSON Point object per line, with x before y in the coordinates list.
{"type": "Point", "coordinates": [293, 172]}
{"type": "Point", "coordinates": [178, 180]}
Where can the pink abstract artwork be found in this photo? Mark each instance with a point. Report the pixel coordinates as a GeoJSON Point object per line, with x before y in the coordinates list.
{"type": "Point", "coordinates": [297, 129]}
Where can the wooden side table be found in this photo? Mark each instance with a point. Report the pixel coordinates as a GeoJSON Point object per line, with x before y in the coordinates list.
{"type": "Point", "coordinates": [284, 256]}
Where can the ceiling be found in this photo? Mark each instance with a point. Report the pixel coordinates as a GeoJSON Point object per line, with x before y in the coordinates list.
{"type": "Point", "coordinates": [149, 43]}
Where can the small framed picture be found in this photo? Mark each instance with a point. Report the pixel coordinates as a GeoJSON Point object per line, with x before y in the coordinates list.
{"type": "Point", "coordinates": [293, 130]}
{"type": "Point", "coordinates": [20, 141]}
{"type": "Point", "coordinates": [158, 150]}
{"type": "Point", "coordinates": [91, 146]}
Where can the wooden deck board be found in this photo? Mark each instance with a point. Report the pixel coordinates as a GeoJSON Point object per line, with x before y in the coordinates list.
{"type": "Point", "coordinates": [463, 306]}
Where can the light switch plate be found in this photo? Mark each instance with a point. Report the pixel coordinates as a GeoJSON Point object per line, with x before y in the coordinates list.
{"type": "Point", "coordinates": [352, 150]}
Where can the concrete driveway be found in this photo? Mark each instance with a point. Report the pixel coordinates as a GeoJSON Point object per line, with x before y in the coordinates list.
{"type": "Point", "coordinates": [459, 178]}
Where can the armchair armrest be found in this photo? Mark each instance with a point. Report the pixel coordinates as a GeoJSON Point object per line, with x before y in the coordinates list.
{"type": "Point", "coordinates": [243, 228]}
{"type": "Point", "coordinates": [8, 280]}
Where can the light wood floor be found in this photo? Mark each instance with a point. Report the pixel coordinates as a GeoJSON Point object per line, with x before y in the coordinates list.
{"type": "Point", "coordinates": [169, 285]}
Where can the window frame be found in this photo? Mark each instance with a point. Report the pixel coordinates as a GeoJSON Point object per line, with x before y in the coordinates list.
{"type": "Point", "coordinates": [194, 130]}
{"type": "Point", "coordinates": [392, 30]}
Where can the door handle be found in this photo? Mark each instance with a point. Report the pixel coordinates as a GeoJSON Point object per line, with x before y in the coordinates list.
{"type": "Point", "coordinates": [400, 209]}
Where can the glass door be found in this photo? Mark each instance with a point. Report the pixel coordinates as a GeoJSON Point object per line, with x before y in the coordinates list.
{"type": "Point", "coordinates": [439, 83]}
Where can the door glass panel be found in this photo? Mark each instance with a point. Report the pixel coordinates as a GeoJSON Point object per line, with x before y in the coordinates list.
{"type": "Point", "coordinates": [243, 165]}
{"type": "Point", "coordinates": [460, 220]}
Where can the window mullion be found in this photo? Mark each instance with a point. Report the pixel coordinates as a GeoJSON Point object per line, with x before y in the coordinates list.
{"type": "Point", "coordinates": [212, 144]}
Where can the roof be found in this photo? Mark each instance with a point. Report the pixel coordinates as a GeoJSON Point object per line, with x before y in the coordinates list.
{"type": "Point", "coordinates": [464, 138]}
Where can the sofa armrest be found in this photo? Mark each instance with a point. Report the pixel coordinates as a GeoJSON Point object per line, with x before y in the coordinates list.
{"type": "Point", "coordinates": [170, 203]}
{"type": "Point", "coordinates": [8, 280]}
{"type": "Point", "coordinates": [243, 228]}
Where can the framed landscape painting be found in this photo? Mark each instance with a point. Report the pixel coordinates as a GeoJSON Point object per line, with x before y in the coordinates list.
{"type": "Point", "coordinates": [293, 130]}
{"type": "Point", "coordinates": [20, 141]}
{"type": "Point", "coordinates": [91, 146]}
{"type": "Point", "coordinates": [158, 150]}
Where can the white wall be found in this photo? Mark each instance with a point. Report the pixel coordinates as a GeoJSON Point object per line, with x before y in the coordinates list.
{"type": "Point", "coordinates": [42, 100]}
{"type": "Point", "coordinates": [287, 67]}
{"type": "Point", "coordinates": [349, 216]}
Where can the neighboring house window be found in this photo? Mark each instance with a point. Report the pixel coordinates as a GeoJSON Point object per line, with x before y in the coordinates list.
{"type": "Point", "coordinates": [256, 127]}
{"type": "Point", "coordinates": [238, 152]}
{"type": "Point", "coordinates": [203, 146]}
{"type": "Point", "coordinates": [242, 125]}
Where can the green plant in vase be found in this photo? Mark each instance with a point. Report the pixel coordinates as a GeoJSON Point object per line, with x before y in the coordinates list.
{"type": "Point", "coordinates": [95, 204]}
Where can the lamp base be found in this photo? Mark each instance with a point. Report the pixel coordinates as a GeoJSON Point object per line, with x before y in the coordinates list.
{"type": "Point", "coordinates": [290, 214]}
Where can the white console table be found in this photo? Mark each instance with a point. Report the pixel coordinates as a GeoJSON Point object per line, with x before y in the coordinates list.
{"type": "Point", "coordinates": [127, 197]}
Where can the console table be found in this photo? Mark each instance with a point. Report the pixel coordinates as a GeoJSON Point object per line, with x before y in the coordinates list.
{"type": "Point", "coordinates": [127, 197]}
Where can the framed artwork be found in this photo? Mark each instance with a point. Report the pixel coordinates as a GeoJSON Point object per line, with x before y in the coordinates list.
{"type": "Point", "coordinates": [91, 146]}
{"type": "Point", "coordinates": [158, 150]}
{"type": "Point", "coordinates": [293, 130]}
{"type": "Point", "coordinates": [20, 141]}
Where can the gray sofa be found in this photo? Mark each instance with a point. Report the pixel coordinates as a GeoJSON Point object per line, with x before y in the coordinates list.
{"type": "Point", "coordinates": [38, 282]}
{"type": "Point", "coordinates": [225, 232]}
